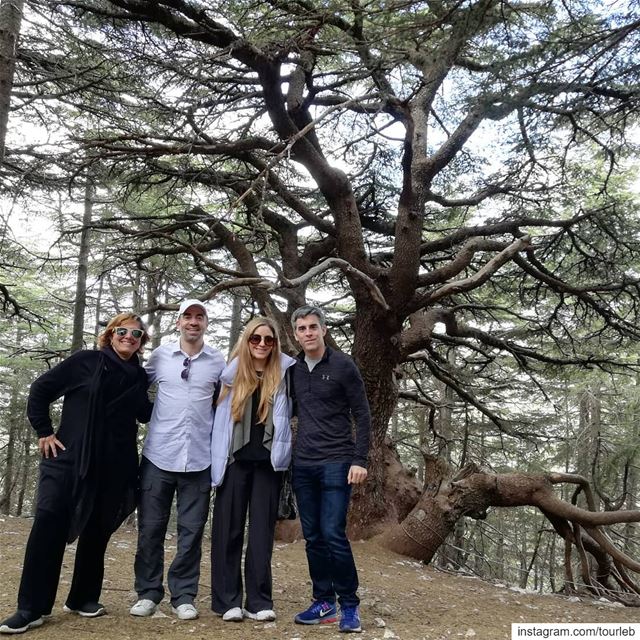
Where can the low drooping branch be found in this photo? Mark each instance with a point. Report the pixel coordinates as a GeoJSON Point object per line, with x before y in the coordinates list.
{"type": "Point", "coordinates": [471, 492]}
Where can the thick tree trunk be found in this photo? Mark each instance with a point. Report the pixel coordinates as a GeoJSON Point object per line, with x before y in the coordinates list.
{"type": "Point", "coordinates": [390, 491]}
{"type": "Point", "coordinates": [10, 19]}
{"type": "Point", "coordinates": [433, 518]}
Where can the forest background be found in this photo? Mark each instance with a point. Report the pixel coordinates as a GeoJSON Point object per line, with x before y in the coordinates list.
{"type": "Point", "coordinates": [454, 182]}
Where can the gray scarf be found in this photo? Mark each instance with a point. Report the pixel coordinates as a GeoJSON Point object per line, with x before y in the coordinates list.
{"type": "Point", "coordinates": [242, 430]}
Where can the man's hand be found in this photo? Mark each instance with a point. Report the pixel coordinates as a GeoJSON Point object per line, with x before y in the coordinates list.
{"type": "Point", "coordinates": [47, 446]}
{"type": "Point", "coordinates": [357, 475]}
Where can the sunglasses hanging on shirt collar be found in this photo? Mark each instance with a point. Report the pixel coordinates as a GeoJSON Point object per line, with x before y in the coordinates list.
{"type": "Point", "coordinates": [184, 374]}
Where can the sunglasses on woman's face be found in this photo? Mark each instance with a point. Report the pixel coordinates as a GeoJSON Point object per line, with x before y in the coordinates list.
{"type": "Point", "coordinates": [122, 332]}
{"type": "Point", "coordinates": [255, 340]}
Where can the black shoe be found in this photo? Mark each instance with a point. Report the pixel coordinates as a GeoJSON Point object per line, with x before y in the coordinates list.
{"type": "Point", "coordinates": [20, 622]}
{"type": "Point", "coordinates": [88, 610]}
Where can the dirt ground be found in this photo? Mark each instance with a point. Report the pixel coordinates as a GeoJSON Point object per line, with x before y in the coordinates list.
{"type": "Point", "coordinates": [400, 599]}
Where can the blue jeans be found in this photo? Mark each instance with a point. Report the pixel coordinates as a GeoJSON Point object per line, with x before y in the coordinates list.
{"type": "Point", "coordinates": [323, 497]}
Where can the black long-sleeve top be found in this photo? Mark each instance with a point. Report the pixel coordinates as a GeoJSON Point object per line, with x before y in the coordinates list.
{"type": "Point", "coordinates": [326, 399]}
{"type": "Point", "coordinates": [104, 396]}
{"type": "Point", "coordinates": [72, 378]}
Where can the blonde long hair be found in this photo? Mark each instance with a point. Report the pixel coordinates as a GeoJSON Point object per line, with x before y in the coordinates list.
{"type": "Point", "coordinates": [246, 380]}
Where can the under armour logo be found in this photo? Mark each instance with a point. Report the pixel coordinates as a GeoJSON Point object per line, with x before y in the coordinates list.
{"type": "Point", "coordinates": [325, 377]}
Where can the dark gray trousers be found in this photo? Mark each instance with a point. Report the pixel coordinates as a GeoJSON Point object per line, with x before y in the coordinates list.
{"type": "Point", "coordinates": [158, 487]}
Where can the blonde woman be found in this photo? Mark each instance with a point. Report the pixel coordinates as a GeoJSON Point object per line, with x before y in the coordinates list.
{"type": "Point", "coordinates": [251, 446]}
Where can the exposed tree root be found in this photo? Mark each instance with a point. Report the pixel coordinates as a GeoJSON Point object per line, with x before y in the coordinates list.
{"type": "Point", "coordinates": [604, 569]}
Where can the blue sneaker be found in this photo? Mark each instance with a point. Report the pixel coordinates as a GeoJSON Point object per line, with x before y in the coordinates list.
{"type": "Point", "coordinates": [320, 612]}
{"type": "Point", "coordinates": [350, 620]}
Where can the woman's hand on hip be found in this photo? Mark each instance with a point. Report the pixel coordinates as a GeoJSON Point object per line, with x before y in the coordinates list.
{"type": "Point", "coordinates": [49, 446]}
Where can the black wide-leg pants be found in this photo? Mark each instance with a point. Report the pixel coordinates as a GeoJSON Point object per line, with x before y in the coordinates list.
{"type": "Point", "coordinates": [47, 541]}
{"type": "Point", "coordinates": [252, 487]}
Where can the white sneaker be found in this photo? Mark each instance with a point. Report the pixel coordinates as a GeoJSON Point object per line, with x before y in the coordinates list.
{"type": "Point", "coordinates": [266, 615]}
{"type": "Point", "coordinates": [88, 610]}
{"type": "Point", "coordinates": [143, 608]}
{"type": "Point", "coordinates": [185, 611]}
{"type": "Point", "coordinates": [233, 615]}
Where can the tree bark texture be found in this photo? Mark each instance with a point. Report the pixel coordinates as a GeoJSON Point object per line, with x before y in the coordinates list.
{"type": "Point", "coordinates": [470, 492]}
{"type": "Point", "coordinates": [10, 19]}
{"type": "Point", "coordinates": [390, 491]}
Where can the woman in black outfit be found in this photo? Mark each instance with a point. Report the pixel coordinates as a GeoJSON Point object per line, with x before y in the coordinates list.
{"type": "Point", "coordinates": [88, 471]}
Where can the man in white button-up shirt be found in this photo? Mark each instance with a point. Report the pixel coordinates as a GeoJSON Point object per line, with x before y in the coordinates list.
{"type": "Point", "coordinates": [176, 458]}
